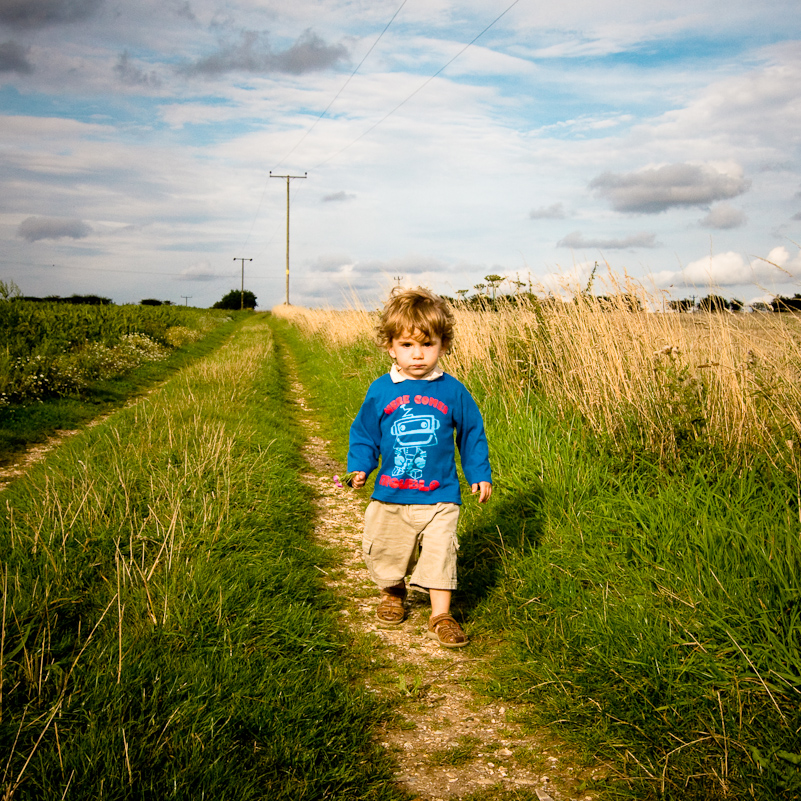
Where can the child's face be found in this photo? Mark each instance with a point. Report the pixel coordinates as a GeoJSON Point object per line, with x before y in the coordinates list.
{"type": "Point", "coordinates": [416, 354]}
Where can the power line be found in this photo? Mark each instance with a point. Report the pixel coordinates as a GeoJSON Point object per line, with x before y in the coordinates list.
{"type": "Point", "coordinates": [388, 114]}
{"type": "Point", "coordinates": [344, 86]}
{"type": "Point", "coordinates": [421, 87]}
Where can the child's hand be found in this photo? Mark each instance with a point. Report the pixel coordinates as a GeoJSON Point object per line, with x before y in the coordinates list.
{"type": "Point", "coordinates": [358, 479]}
{"type": "Point", "coordinates": [484, 488]}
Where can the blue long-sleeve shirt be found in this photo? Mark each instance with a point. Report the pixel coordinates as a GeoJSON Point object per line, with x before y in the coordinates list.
{"type": "Point", "coordinates": [411, 426]}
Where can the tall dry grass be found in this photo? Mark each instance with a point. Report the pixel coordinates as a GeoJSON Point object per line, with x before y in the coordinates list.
{"type": "Point", "coordinates": [338, 328]}
{"type": "Point", "coordinates": [732, 380]}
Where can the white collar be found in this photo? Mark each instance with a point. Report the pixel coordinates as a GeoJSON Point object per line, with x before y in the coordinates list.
{"type": "Point", "coordinates": [397, 376]}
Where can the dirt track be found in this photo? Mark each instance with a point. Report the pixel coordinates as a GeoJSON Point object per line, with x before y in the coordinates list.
{"type": "Point", "coordinates": [448, 742]}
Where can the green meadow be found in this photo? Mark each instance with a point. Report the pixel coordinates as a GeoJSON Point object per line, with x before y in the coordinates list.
{"type": "Point", "coordinates": [166, 633]}
{"type": "Point", "coordinates": [63, 364]}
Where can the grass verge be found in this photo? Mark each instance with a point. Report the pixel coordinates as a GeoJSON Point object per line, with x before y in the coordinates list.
{"type": "Point", "coordinates": [164, 630]}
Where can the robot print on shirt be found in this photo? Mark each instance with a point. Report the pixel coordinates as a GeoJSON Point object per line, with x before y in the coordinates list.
{"type": "Point", "coordinates": [413, 434]}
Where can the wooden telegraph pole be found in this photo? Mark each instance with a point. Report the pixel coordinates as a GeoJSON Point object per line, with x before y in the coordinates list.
{"type": "Point", "coordinates": [305, 174]}
{"type": "Point", "coordinates": [242, 289]}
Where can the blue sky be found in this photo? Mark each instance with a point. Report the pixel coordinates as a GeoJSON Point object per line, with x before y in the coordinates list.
{"type": "Point", "coordinates": [137, 141]}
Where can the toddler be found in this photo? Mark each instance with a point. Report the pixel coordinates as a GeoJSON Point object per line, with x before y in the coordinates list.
{"type": "Point", "coordinates": [408, 419]}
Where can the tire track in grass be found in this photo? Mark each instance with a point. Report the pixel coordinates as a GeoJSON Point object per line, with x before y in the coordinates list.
{"type": "Point", "coordinates": [448, 742]}
{"type": "Point", "coordinates": [22, 461]}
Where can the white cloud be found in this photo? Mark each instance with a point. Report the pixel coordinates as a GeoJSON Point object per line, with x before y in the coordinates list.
{"type": "Point", "coordinates": [757, 110]}
{"type": "Point", "coordinates": [781, 259]}
{"type": "Point", "coordinates": [556, 211]}
{"type": "Point", "coordinates": [724, 216]}
{"type": "Point", "coordinates": [732, 269]}
{"type": "Point", "coordinates": [721, 269]}
{"type": "Point", "coordinates": [577, 241]}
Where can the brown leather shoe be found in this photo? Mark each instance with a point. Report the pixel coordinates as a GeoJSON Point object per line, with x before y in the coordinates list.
{"type": "Point", "coordinates": [391, 609]}
{"type": "Point", "coordinates": [446, 631]}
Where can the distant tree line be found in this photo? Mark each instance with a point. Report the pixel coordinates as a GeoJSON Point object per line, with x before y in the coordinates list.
{"type": "Point", "coordinates": [782, 304]}
{"type": "Point", "coordinates": [82, 300]}
{"type": "Point", "coordinates": [232, 300]}
{"type": "Point", "coordinates": [710, 303]}
{"type": "Point", "coordinates": [716, 303]}
{"type": "Point", "coordinates": [89, 300]}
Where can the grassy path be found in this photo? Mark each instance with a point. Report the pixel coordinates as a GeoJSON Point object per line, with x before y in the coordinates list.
{"type": "Point", "coordinates": [179, 620]}
{"type": "Point", "coordinates": [165, 631]}
{"type": "Point", "coordinates": [446, 738]}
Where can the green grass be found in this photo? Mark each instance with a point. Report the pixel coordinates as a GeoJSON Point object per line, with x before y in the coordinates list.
{"type": "Point", "coordinates": [648, 613]}
{"type": "Point", "coordinates": [165, 633]}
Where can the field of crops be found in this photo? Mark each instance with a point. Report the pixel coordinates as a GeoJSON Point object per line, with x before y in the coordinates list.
{"type": "Point", "coordinates": [55, 349]}
{"type": "Point", "coordinates": [641, 555]}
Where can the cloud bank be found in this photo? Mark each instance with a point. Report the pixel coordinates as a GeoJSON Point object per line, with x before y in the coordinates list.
{"type": "Point", "coordinates": [732, 269]}
{"type": "Point", "coordinates": [33, 229]}
{"type": "Point", "coordinates": [253, 53]}
{"type": "Point", "coordinates": [651, 191]}
{"type": "Point", "coordinates": [138, 139]}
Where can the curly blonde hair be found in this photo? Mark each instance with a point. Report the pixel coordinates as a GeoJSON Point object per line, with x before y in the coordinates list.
{"type": "Point", "coordinates": [409, 310]}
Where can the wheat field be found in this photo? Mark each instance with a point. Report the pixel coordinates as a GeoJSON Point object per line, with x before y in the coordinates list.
{"type": "Point", "coordinates": [732, 379]}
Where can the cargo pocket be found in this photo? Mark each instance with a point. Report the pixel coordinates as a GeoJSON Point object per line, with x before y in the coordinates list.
{"type": "Point", "coordinates": [453, 560]}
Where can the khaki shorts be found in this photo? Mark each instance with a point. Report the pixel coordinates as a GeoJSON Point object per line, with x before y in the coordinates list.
{"type": "Point", "coordinates": [415, 540]}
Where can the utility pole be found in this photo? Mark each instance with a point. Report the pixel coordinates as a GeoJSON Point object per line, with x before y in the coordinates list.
{"type": "Point", "coordinates": [242, 290]}
{"type": "Point", "coordinates": [305, 174]}
{"type": "Point", "coordinates": [186, 299]}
